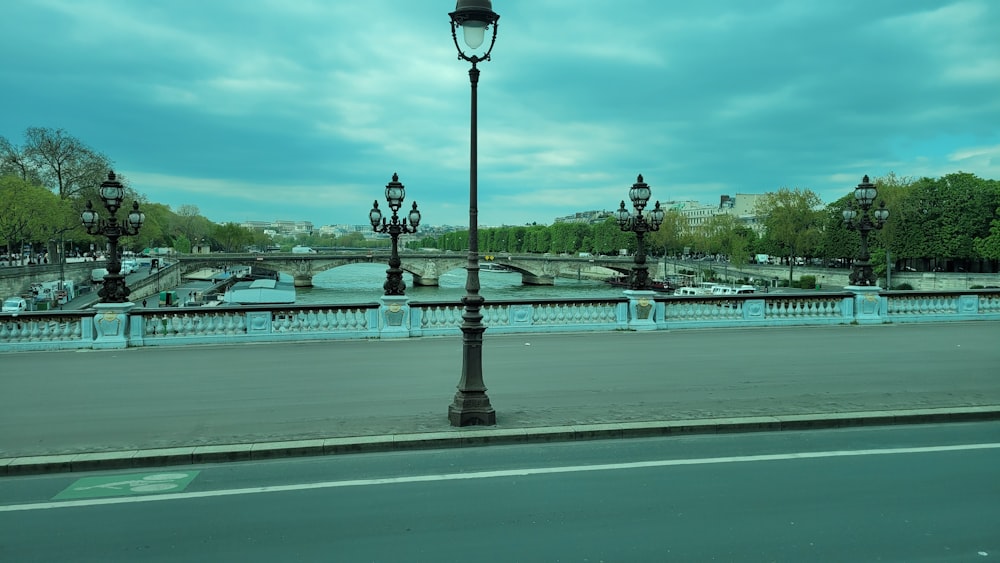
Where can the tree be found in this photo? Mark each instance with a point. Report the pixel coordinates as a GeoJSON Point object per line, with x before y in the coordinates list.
{"type": "Point", "coordinates": [232, 237]}
{"type": "Point", "coordinates": [29, 212]}
{"type": "Point", "coordinates": [792, 219]}
{"type": "Point", "coordinates": [608, 238]}
{"type": "Point", "coordinates": [14, 162]}
{"type": "Point", "coordinates": [188, 220]}
{"type": "Point", "coordinates": [672, 235]}
{"type": "Point", "coordinates": [63, 163]}
{"type": "Point", "coordinates": [725, 234]}
{"type": "Point", "coordinates": [989, 246]}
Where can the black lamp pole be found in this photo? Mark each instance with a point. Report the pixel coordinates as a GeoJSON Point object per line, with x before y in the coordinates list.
{"type": "Point", "coordinates": [112, 193]}
{"type": "Point", "coordinates": [471, 405]}
{"type": "Point", "coordinates": [395, 193]}
{"type": "Point", "coordinates": [864, 196]}
{"type": "Point", "coordinates": [640, 224]}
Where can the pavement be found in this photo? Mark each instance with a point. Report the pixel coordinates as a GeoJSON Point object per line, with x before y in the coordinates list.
{"type": "Point", "coordinates": [150, 407]}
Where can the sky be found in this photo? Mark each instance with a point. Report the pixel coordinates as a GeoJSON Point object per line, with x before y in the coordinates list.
{"type": "Point", "coordinates": [303, 109]}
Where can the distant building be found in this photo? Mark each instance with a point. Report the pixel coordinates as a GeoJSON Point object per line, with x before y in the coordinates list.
{"type": "Point", "coordinates": [743, 207]}
{"type": "Point", "coordinates": [280, 227]}
{"type": "Point", "coordinates": [588, 217]}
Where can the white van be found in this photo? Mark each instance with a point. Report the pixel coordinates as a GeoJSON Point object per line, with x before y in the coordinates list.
{"type": "Point", "coordinates": [129, 266]}
{"type": "Point", "coordinates": [302, 250]}
{"type": "Point", "coordinates": [97, 275]}
{"type": "Point", "coordinates": [14, 305]}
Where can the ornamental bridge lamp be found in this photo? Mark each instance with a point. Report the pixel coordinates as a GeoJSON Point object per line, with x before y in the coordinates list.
{"type": "Point", "coordinates": [471, 405]}
{"type": "Point", "coordinates": [112, 193]}
{"type": "Point", "coordinates": [395, 193]}
{"type": "Point", "coordinates": [864, 196]}
{"type": "Point", "coordinates": [639, 223]}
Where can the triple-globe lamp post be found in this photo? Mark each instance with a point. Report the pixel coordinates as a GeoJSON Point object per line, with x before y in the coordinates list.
{"type": "Point", "coordinates": [395, 193]}
{"type": "Point", "coordinates": [864, 196]}
{"type": "Point", "coordinates": [639, 223]}
{"type": "Point", "coordinates": [112, 193]}
{"type": "Point", "coordinates": [471, 405]}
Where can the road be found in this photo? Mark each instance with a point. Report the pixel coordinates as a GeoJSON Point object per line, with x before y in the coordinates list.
{"type": "Point", "coordinates": [915, 493]}
{"type": "Point", "coordinates": [82, 401]}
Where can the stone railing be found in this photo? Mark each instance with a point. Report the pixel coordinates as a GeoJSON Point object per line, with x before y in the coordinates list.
{"type": "Point", "coordinates": [124, 325]}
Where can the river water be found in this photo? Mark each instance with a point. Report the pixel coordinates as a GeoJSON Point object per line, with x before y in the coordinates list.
{"type": "Point", "coordinates": [362, 283]}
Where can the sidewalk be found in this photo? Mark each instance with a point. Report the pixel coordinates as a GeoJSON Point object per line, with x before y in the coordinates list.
{"type": "Point", "coordinates": [79, 411]}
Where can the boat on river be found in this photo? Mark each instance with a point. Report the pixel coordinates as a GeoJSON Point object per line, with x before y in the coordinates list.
{"type": "Point", "coordinates": [655, 285]}
{"type": "Point", "coordinates": [493, 267]}
{"type": "Point", "coordinates": [262, 291]}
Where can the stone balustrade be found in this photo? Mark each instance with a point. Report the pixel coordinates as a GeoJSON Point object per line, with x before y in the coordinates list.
{"type": "Point", "coordinates": [123, 325]}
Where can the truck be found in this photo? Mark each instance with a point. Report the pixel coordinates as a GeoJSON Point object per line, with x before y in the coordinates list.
{"type": "Point", "coordinates": [302, 250]}
{"type": "Point", "coordinates": [54, 292]}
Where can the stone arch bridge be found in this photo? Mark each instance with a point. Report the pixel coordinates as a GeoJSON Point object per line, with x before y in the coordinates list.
{"type": "Point", "coordinates": [426, 267]}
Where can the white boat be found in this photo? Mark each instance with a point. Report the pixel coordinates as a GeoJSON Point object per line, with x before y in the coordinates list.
{"type": "Point", "coordinates": [492, 267]}
{"type": "Point", "coordinates": [263, 291]}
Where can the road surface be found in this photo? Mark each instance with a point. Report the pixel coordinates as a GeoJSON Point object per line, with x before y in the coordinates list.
{"type": "Point", "coordinates": [85, 401]}
{"type": "Point", "coordinates": [916, 493]}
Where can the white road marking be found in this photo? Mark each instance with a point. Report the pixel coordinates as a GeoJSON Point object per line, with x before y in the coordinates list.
{"type": "Point", "coordinates": [491, 475]}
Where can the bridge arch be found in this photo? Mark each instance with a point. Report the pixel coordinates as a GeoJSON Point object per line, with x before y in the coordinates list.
{"type": "Point", "coordinates": [426, 268]}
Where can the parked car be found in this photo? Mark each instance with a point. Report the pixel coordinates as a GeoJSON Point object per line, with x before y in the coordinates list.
{"type": "Point", "coordinates": [14, 305]}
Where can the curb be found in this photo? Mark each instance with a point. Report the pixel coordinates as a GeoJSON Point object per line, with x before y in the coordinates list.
{"type": "Point", "coordinates": [478, 436]}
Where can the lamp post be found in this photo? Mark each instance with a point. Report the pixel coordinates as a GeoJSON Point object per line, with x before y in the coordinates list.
{"type": "Point", "coordinates": [639, 223]}
{"type": "Point", "coordinates": [471, 405]}
{"type": "Point", "coordinates": [394, 194]}
{"type": "Point", "coordinates": [864, 197]}
{"type": "Point", "coordinates": [112, 192]}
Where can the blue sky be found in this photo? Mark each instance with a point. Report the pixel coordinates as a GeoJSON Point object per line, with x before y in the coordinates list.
{"type": "Point", "coordinates": [303, 109]}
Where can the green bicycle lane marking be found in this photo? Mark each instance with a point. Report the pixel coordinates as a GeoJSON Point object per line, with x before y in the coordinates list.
{"type": "Point", "coordinates": [128, 485]}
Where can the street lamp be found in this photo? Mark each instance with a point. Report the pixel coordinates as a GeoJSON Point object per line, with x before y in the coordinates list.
{"type": "Point", "coordinates": [639, 223]}
{"type": "Point", "coordinates": [394, 194]}
{"type": "Point", "coordinates": [471, 405]}
{"type": "Point", "coordinates": [112, 192]}
{"type": "Point", "coordinates": [864, 196]}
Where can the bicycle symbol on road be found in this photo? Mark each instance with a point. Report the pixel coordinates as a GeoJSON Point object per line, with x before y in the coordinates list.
{"type": "Point", "coordinates": [155, 483]}
{"type": "Point", "coordinates": [132, 484]}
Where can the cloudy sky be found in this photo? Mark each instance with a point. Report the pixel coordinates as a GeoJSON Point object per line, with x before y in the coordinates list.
{"type": "Point", "coordinates": [303, 109]}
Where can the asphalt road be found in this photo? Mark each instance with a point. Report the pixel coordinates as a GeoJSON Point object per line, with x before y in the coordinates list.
{"type": "Point", "coordinates": [79, 401]}
{"type": "Point", "coordinates": [915, 493]}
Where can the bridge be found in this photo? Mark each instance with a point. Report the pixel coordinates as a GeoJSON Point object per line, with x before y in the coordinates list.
{"type": "Point", "coordinates": [426, 267]}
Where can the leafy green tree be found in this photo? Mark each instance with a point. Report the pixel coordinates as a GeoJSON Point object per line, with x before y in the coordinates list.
{"type": "Point", "coordinates": [942, 218]}
{"type": "Point", "coordinates": [793, 222]}
{"type": "Point", "coordinates": [18, 201]}
{"type": "Point", "coordinates": [673, 234]}
{"type": "Point", "coordinates": [608, 238]}
{"type": "Point", "coordinates": [232, 237]}
{"type": "Point", "coordinates": [989, 246]}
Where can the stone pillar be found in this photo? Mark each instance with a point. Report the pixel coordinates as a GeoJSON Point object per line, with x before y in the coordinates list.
{"type": "Point", "coordinates": [394, 316]}
{"type": "Point", "coordinates": [869, 306]}
{"type": "Point", "coordinates": [641, 309]}
{"type": "Point", "coordinates": [111, 325]}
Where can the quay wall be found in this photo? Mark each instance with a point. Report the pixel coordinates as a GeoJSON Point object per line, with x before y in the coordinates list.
{"type": "Point", "coordinates": [17, 280]}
